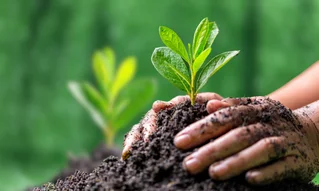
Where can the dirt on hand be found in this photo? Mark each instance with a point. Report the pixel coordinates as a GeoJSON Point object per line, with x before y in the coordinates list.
{"type": "Point", "coordinates": [157, 165]}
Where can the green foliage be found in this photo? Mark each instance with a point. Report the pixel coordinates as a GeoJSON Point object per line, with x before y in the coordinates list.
{"type": "Point", "coordinates": [188, 70]}
{"type": "Point", "coordinates": [120, 99]}
{"type": "Point", "coordinates": [46, 43]}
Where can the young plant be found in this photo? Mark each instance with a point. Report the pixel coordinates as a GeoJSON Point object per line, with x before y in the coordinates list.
{"type": "Point", "coordinates": [187, 70]}
{"type": "Point", "coordinates": [119, 99]}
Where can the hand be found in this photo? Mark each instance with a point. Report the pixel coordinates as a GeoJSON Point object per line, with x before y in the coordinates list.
{"type": "Point", "coordinates": [256, 136]}
{"type": "Point", "coordinates": [147, 126]}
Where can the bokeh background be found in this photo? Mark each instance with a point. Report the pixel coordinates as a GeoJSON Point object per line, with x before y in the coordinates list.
{"type": "Point", "coordinates": [46, 43]}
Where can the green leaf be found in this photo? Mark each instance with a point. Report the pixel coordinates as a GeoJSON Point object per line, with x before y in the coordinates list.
{"type": "Point", "coordinates": [200, 60]}
{"type": "Point", "coordinates": [212, 34]}
{"type": "Point", "coordinates": [190, 50]}
{"type": "Point", "coordinates": [94, 97]}
{"type": "Point", "coordinates": [212, 67]}
{"type": "Point", "coordinates": [201, 36]}
{"type": "Point", "coordinates": [124, 75]}
{"type": "Point", "coordinates": [103, 66]}
{"type": "Point", "coordinates": [172, 67]}
{"type": "Point", "coordinates": [173, 41]}
{"type": "Point", "coordinates": [79, 94]}
{"type": "Point", "coordinates": [120, 107]}
{"type": "Point", "coordinates": [138, 95]}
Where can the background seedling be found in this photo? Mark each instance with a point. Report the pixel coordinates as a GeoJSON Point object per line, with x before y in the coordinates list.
{"type": "Point", "coordinates": [119, 99]}
{"type": "Point", "coordinates": [187, 70]}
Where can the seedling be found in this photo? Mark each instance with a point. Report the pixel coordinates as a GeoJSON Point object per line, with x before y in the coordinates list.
{"type": "Point", "coordinates": [187, 70]}
{"type": "Point", "coordinates": [119, 99]}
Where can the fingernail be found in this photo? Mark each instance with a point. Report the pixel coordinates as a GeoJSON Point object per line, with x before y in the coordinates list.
{"type": "Point", "coordinates": [216, 170]}
{"type": "Point", "coordinates": [125, 154]}
{"type": "Point", "coordinates": [250, 174]}
{"type": "Point", "coordinates": [252, 177]}
{"type": "Point", "coordinates": [182, 141]}
{"type": "Point", "coordinates": [192, 165]}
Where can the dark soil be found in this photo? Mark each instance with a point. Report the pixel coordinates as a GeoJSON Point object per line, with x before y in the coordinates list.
{"type": "Point", "coordinates": [88, 163]}
{"type": "Point", "coordinates": [157, 165]}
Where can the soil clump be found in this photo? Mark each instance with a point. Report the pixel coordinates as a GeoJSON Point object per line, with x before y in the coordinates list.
{"type": "Point", "coordinates": [157, 165]}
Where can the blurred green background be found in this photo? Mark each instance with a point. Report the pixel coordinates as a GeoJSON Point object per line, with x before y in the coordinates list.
{"type": "Point", "coordinates": [46, 43]}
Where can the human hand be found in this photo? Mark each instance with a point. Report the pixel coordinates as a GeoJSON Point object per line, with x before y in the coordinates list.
{"type": "Point", "coordinates": [256, 136]}
{"type": "Point", "coordinates": [147, 126]}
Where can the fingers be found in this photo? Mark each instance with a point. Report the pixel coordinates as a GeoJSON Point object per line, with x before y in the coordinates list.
{"type": "Point", "coordinates": [224, 146]}
{"type": "Point", "coordinates": [149, 124]}
{"type": "Point", "coordinates": [140, 131]}
{"type": "Point", "coordinates": [217, 124]}
{"type": "Point", "coordinates": [133, 136]}
{"type": "Point", "coordinates": [247, 100]}
{"type": "Point", "coordinates": [206, 96]}
{"type": "Point", "coordinates": [287, 167]}
{"type": "Point", "coordinates": [160, 105]}
{"type": "Point", "coordinates": [214, 105]}
{"type": "Point", "coordinates": [260, 153]}
{"type": "Point", "coordinates": [200, 98]}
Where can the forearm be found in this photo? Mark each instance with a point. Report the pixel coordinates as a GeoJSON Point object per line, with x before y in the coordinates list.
{"type": "Point", "coordinates": [300, 91]}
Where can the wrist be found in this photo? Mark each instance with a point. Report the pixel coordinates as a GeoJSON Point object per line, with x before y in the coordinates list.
{"type": "Point", "coordinates": [308, 116]}
{"type": "Point", "coordinates": [311, 111]}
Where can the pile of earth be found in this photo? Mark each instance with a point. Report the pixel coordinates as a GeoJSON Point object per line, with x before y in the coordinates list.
{"type": "Point", "coordinates": [157, 165]}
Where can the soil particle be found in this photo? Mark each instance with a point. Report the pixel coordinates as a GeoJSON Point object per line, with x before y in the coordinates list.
{"type": "Point", "coordinates": [157, 165]}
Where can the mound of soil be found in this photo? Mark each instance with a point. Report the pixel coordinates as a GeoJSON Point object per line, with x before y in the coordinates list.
{"type": "Point", "coordinates": [157, 165]}
{"type": "Point", "coordinates": [85, 164]}
{"type": "Point", "coordinates": [88, 163]}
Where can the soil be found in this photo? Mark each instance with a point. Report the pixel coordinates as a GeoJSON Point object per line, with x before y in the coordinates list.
{"type": "Point", "coordinates": [157, 165]}
{"type": "Point", "coordinates": [88, 163]}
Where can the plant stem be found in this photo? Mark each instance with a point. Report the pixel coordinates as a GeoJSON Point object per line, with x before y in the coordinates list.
{"type": "Point", "coordinates": [109, 136]}
{"type": "Point", "coordinates": [192, 99]}
{"type": "Point", "coordinates": [193, 94]}
{"type": "Point", "coordinates": [108, 131]}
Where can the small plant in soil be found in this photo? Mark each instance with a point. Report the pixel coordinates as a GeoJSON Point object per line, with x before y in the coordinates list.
{"type": "Point", "coordinates": [118, 99]}
{"type": "Point", "coordinates": [156, 164]}
{"type": "Point", "coordinates": [188, 70]}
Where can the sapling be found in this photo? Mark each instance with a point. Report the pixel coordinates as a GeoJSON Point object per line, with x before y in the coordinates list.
{"type": "Point", "coordinates": [119, 99]}
{"type": "Point", "coordinates": [188, 70]}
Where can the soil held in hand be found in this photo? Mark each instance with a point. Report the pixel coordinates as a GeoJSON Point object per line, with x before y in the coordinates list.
{"type": "Point", "coordinates": [157, 165]}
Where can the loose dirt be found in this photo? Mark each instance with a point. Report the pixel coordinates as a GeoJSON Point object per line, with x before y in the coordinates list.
{"type": "Point", "coordinates": [157, 165]}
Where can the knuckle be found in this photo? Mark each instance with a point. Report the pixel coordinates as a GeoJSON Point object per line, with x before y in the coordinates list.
{"type": "Point", "coordinates": [238, 161]}
{"type": "Point", "coordinates": [240, 132]}
{"type": "Point", "coordinates": [207, 151]}
{"type": "Point", "coordinates": [215, 96]}
{"type": "Point", "coordinates": [268, 144]}
{"type": "Point", "coordinates": [243, 134]}
{"type": "Point", "coordinates": [156, 102]}
{"type": "Point", "coordinates": [179, 99]}
{"type": "Point", "coordinates": [136, 126]}
{"type": "Point", "coordinates": [272, 144]}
